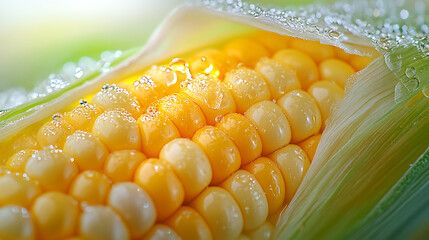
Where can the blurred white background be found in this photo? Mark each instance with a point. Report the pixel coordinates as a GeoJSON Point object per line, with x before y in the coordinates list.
{"type": "Point", "coordinates": [38, 36]}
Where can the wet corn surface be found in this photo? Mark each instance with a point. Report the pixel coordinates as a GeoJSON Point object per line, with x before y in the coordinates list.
{"type": "Point", "coordinates": [213, 146]}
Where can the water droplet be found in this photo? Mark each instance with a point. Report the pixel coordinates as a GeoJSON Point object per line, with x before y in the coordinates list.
{"type": "Point", "coordinates": [333, 34]}
{"type": "Point", "coordinates": [425, 92]}
{"type": "Point", "coordinates": [410, 72]}
{"type": "Point", "coordinates": [83, 102]}
{"type": "Point", "coordinates": [415, 83]}
{"type": "Point", "coordinates": [57, 116]}
{"type": "Point", "coordinates": [403, 14]}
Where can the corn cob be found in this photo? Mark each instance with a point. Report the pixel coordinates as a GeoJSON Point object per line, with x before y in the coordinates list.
{"type": "Point", "coordinates": [214, 149]}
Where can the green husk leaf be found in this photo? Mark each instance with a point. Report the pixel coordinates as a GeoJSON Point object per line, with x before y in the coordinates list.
{"type": "Point", "coordinates": [403, 213]}
{"type": "Point", "coordinates": [367, 147]}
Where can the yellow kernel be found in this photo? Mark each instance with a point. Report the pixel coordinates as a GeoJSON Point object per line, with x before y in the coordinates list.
{"type": "Point", "coordinates": [16, 223]}
{"type": "Point", "coordinates": [341, 54]}
{"type": "Point", "coordinates": [293, 163]}
{"type": "Point", "coordinates": [272, 125]}
{"type": "Point", "coordinates": [221, 151]}
{"type": "Point", "coordinates": [185, 114]}
{"type": "Point", "coordinates": [55, 215]}
{"type": "Point", "coordinates": [52, 168]}
{"type": "Point", "coordinates": [83, 116]}
{"type": "Point", "coordinates": [273, 42]}
{"type": "Point", "coordinates": [156, 130]}
{"type": "Point", "coordinates": [161, 232]}
{"type": "Point", "coordinates": [189, 224]}
{"type": "Point", "coordinates": [264, 232]}
{"type": "Point", "coordinates": [309, 145]}
{"type": "Point", "coordinates": [189, 163]}
{"type": "Point", "coordinates": [134, 205]}
{"type": "Point", "coordinates": [314, 49]}
{"type": "Point", "coordinates": [335, 70]}
{"type": "Point", "coordinates": [221, 212]}
{"type": "Point", "coordinates": [303, 114]}
{"type": "Point", "coordinates": [305, 67]}
{"type": "Point", "coordinates": [244, 135]}
{"type": "Point", "coordinates": [247, 87]}
{"type": "Point", "coordinates": [147, 90]}
{"type": "Point", "coordinates": [246, 51]}
{"type": "Point", "coordinates": [87, 151]}
{"type": "Point", "coordinates": [17, 161]}
{"type": "Point", "coordinates": [211, 95]}
{"type": "Point", "coordinates": [121, 165]}
{"type": "Point", "coordinates": [279, 77]}
{"type": "Point", "coordinates": [54, 132]}
{"type": "Point", "coordinates": [243, 237]}
{"type": "Point", "coordinates": [118, 130]}
{"type": "Point", "coordinates": [271, 180]}
{"type": "Point", "coordinates": [25, 141]}
{"type": "Point", "coordinates": [359, 62]}
{"type": "Point", "coordinates": [162, 185]}
{"type": "Point", "coordinates": [212, 62]}
{"type": "Point", "coordinates": [90, 187]}
{"type": "Point", "coordinates": [100, 222]}
{"type": "Point", "coordinates": [326, 94]}
{"type": "Point", "coordinates": [171, 77]}
{"type": "Point", "coordinates": [112, 97]}
{"type": "Point", "coordinates": [250, 196]}
{"type": "Point", "coordinates": [16, 189]}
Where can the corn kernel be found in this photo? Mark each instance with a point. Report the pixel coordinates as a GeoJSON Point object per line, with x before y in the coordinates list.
{"type": "Point", "coordinates": [83, 116]}
{"type": "Point", "coordinates": [341, 54]}
{"type": "Point", "coordinates": [250, 196]}
{"type": "Point", "coordinates": [305, 67]}
{"type": "Point", "coordinates": [134, 205]}
{"type": "Point", "coordinates": [52, 168]}
{"type": "Point", "coordinates": [17, 162]}
{"type": "Point", "coordinates": [170, 77]}
{"type": "Point", "coordinates": [279, 77]}
{"type": "Point", "coordinates": [309, 145]}
{"type": "Point", "coordinates": [244, 135]}
{"type": "Point", "coordinates": [190, 164]}
{"type": "Point", "coordinates": [16, 189]}
{"type": "Point", "coordinates": [112, 97]}
{"type": "Point", "coordinates": [100, 222]}
{"type": "Point", "coordinates": [326, 94]}
{"type": "Point", "coordinates": [211, 95]}
{"type": "Point", "coordinates": [359, 62]}
{"type": "Point", "coordinates": [247, 87]}
{"type": "Point", "coordinates": [264, 232]}
{"type": "Point", "coordinates": [54, 132]}
{"type": "Point", "coordinates": [90, 187]}
{"type": "Point", "coordinates": [25, 141]}
{"type": "Point", "coordinates": [16, 223]}
{"type": "Point", "coordinates": [161, 232]}
{"type": "Point", "coordinates": [87, 151]}
{"type": "Point", "coordinates": [314, 49]}
{"type": "Point", "coordinates": [271, 180]}
{"type": "Point", "coordinates": [147, 90]}
{"type": "Point", "coordinates": [156, 130]}
{"type": "Point", "coordinates": [55, 215]}
{"type": "Point", "coordinates": [221, 151]}
{"type": "Point", "coordinates": [212, 62]}
{"type": "Point", "coordinates": [189, 224]}
{"type": "Point", "coordinates": [335, 70]}
{"type": "Point", "coordinates": [293, 163]}
{"type": "Point", "coordinates": [303, 114]}
{"type": "Point", "coordinates": [121, 165]}
{"type": "Point", "coordinates": [246, 51]}
{"type": "Point", "coordinates": [221, 212]}
{"type": "Point", "coordinates": [272, 125]}
{"type": "Point", "coordinates": [118, 130]}
{"type": "Point", "coordinates": [185, 114]}
{"type": "Point", "coordinates": [243, 237]}
{"type": "Point", "coordinates": [163, 186]}
{"type": "Point", "coordinates": [273, 42]}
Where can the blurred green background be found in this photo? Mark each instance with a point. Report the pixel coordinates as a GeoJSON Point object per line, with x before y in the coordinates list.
{"type": "Point", "coordinates": [38, 36]}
